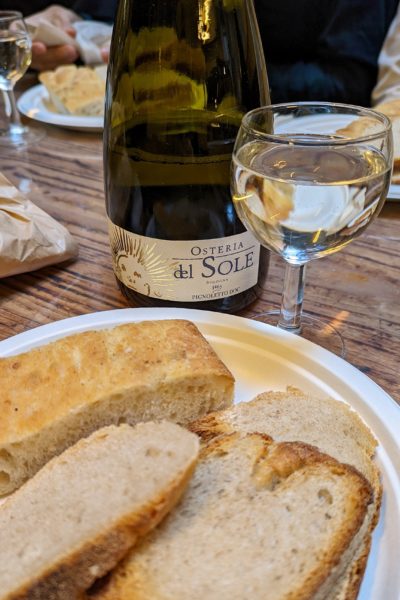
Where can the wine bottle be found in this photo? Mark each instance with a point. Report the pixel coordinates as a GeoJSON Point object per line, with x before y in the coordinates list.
{"type": "Point", "coordinates": [181, 75]}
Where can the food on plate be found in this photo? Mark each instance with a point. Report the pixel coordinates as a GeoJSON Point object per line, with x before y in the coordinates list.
{"type": "Point", "coordinates": [392, 110]}
{"type": "Point", "coordinates": [293, 415]}
{"type": "Point", "coordinates": [76, 518]}
{"type": "Point", "coordinates": [282, 501]}
{"type": "Point", "coordinates": [75, 90]}
{"type": "Point", "coordinates": [259, 519]}
{"type": "Point", "coordinates": [360, 127]}
{"type": "Point", "coordinates": [54, 395]}
{"type": "Point", "coordinates": [325, 423]}
{"type": "Point", "coordinates": [366, 126]}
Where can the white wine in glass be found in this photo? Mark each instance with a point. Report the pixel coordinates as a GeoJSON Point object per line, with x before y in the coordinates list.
{"type": "Point", "coordinates": [306, 179]}
{"type": "Point", "coordinates": [15, 58]}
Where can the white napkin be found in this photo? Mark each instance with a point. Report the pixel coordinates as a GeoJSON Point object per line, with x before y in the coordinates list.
{"type": "Point", "coordinates": [29, 238]}
{"type": "Point", "coordinates": [50, 34]}
{"type": "Point", "coordinates": [91, 37]}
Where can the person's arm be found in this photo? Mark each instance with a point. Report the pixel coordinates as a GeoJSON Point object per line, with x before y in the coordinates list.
{"type": "Point", "coordinates": [342, 81]}
{"type": "Point", "coordinates": [99, 10]}
{"type": "Point", "coordinates": [388, 84]}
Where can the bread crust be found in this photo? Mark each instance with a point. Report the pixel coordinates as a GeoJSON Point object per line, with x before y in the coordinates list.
{"type": "Point", "coordinates": [74, 572]}
{"type": "Point", "coordinates": [222, 423]}
{"type": "Point", "coordinates": [79, 368]}
{"type": "Point", "coordinates": [274, 465]}
{"type": "Point", "coordinates": [284, 459]}
{"type": "Point", "coordinates": [56, 394]}
{"type": "Point", "coordinates": [269, 408]}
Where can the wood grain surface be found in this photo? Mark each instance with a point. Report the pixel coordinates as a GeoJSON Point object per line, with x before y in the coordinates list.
{"type": "Point", "coordinates": [356, 289]}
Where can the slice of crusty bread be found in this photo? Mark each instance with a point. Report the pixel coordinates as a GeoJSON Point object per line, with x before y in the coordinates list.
{"type": "Point", "coordinates": [367, 126]}
{"type": "Point", "coordinates": [330, 425]}
{"type": "Point", "coordinates": [392, 110]}
{"type": "Point", "coordinates": [85, 509]}
{"type": "Point", "coordinates": [75, 90]}
{"type": "Point", "coordinates": [54, 395]}
{"type": "Point", "coordinates": [293, 415]}
{"type": "Point", "coordinates": [259, 520]}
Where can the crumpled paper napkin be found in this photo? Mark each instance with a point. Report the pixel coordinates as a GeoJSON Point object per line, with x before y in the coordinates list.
{"type": "Point", "coordinates": [29, 238]}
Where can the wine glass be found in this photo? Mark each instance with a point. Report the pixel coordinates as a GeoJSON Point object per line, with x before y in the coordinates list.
{"type": "Point", "coordinates": [15, 58]}
{"type": "Point", "coordinates": [307, 178]}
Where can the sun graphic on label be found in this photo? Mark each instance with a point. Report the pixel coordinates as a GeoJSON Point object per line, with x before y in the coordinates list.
{"type": "Point", "coordinates": [138, 266]}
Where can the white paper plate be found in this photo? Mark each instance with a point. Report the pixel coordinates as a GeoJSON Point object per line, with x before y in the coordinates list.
{"type": "Point", "coordinates": [262, 357]}
{"type": "Point", "coordinates": [320, 123]}
{"type": "Point", "coordinates": [31, 104]}
{"type": "Point", "coordinates": [394, 192]}
{"type": "Point", "coordinates": [329, 124]}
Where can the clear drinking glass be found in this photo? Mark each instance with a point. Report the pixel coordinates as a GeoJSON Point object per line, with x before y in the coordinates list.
{"type": "Point", "coordinates": [15, 58]}
{"type": "Point", "coordinates": [307, 178]}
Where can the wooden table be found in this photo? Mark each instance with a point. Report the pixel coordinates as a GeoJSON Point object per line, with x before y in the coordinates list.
{"type": "Point", "coordinates": [357, 289]}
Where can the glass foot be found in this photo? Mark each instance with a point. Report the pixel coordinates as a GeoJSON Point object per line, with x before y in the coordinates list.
{"type": "Point", "coordinates": [315, 330]}
{"type": "Point", "coordinates": [21, 137]}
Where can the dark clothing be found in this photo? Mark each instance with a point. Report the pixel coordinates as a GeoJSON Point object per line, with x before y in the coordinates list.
{"type": "Point", "coordinates": [101, 10]}
{"type": "Point", "coordinates": [26, 7]}
{"type": "Point", "coordinates": [314, 49]}
{"type": "Point", "coordinates": [323, 49]}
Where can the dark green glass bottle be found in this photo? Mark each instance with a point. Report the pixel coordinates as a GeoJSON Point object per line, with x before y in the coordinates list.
{"type": "Point", "coordinates": [181, 75]}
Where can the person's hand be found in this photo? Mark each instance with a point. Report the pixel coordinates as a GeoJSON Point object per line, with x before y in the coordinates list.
{"type": "Point", "coordinates": [46, 58]}
{"type": "Point", "coordinates": [105, 53]}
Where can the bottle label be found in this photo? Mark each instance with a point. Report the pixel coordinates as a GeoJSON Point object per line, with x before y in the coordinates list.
{"type": "Point", "coordinates": [185, 271]}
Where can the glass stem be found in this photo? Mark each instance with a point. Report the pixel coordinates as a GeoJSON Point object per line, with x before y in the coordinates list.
{"type": "Point", "coordinates": [292, 298]}
{"type": "Point", "coordinates": [12, 111]}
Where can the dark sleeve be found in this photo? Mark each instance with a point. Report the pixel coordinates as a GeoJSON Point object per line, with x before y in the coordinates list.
{"type": "Point", "coordinates": [345, 80]}
{"type": "Point", "coordinates": [342, 41]}
{"type": "Point", "coordinates": [99, 10]}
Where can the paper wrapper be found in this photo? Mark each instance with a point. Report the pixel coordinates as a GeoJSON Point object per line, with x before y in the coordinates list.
{"type": "Point", "coordinates": [29, 238]}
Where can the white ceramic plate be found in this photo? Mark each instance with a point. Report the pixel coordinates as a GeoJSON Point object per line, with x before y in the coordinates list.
{"type": "Point", "coordinates": [262, 357]}
{"type": "Point", "coordinates": [31, 104]}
